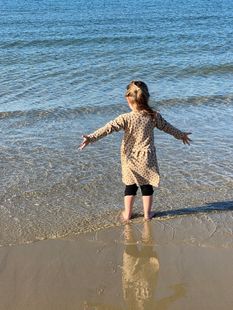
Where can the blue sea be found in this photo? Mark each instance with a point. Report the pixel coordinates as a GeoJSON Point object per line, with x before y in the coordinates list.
{"type": "Point", "coordinates": [64, 68]}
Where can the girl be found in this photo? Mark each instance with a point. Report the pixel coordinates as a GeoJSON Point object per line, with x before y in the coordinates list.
{"type": "Point", "coordinates": [138, 153]}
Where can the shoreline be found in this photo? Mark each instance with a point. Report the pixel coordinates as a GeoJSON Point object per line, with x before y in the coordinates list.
{"type": "Point", "coordinates": [11, 238]}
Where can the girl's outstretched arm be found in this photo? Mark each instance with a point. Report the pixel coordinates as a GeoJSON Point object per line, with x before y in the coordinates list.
{"type": "Point", "coordinates": [163, 125]}
{"type": "Point", "coordinates": [116, 125]}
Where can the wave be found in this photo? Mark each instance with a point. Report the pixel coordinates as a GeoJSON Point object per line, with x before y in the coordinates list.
{"type": "Point", "coordinates": [61, 112]}
{"type": "Point", "coordinates": [51, 42]}
{"type": "Point", "coordinates": [197, 100]}
{"type": "Point", "coordinates": [206, 70]}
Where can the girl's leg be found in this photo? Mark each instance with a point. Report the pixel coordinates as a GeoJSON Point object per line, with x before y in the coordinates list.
{"type": "Point", "coordinates": [128, 202]}
{"type": "Point", "coordinates": [130, 193]}
{"type": "Point", "coordinates": [147, 205]}
{"type": "Point", "coordinates": [147, 199]}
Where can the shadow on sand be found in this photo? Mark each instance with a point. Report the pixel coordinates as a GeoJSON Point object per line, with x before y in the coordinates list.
{"type": "Point", "coordinates": [219, 206]}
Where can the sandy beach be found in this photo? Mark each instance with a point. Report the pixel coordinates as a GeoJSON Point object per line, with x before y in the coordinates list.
{"type": "Point", "coordinates": [64, 69]}
{"type": "Point", "coordinates": [179, 262]}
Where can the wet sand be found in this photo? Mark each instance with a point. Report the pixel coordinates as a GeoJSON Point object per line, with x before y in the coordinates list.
{"type": "Point", "coordinates": [181, 262]}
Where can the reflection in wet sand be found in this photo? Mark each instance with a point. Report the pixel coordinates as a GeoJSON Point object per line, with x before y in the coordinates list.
{"type": "Point", "coordinates": [140, 272]}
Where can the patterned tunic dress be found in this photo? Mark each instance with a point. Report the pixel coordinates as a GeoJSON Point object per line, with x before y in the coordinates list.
{"type": "Point", "coordinates": [138, 153]}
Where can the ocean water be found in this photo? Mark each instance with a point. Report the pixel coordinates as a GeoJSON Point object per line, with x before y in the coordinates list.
{"type": "Point", "coordinates": [64, 67]}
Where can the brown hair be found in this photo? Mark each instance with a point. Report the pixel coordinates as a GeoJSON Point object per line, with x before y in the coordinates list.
{"type": "Point", "coordinates": [139, 93]}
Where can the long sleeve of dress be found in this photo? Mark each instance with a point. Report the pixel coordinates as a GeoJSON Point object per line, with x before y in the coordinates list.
{"type": "Point", "coordinates": [115, 125]}
{"type": "Point", "coordinates": [163, 125]}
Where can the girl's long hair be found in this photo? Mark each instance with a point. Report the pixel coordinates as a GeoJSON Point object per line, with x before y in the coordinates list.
{"type": "Point", "coordinates": [139, 93]}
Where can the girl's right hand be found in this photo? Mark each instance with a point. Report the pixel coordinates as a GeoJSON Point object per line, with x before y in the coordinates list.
{"type": "Point", "coordinates": [85, 142]}
{"type": "Point", "coordinates": [185, 138]}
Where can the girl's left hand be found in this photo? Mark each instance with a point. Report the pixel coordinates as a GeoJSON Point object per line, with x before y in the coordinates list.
{"type": "Point", "coordinates": [85, 142]}
{"type": "Point", "coordinates": [185, 138]}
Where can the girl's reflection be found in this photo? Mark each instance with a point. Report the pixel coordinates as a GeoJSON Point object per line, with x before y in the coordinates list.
{"type": "Point", "coordinates": [140, 268]}
{"type": "Point", "coordinates": [140, 273]}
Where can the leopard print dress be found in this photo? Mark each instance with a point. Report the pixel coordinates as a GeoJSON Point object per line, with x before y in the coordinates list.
{"type": "Point", "coordinates": [138, 153]}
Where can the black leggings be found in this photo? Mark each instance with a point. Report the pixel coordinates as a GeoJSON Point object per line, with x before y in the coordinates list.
{"type": "Point", "coordinates": [131, 190]}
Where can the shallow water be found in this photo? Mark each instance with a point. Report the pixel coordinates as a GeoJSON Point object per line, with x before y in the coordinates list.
{"type": "Point", "coordinates": [64, 67]}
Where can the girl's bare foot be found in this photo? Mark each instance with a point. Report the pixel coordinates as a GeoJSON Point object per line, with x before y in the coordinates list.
{"type": "Point", "coordinates": [149, 216]}
{"type": "Point", "coordinates": [124, 217]}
